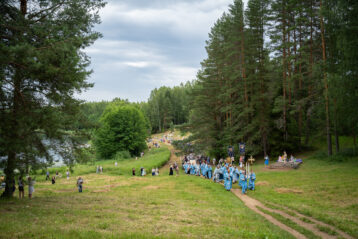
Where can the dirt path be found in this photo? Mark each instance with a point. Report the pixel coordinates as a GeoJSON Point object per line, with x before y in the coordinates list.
{"type": "Point", "coordinates": [255, 205]}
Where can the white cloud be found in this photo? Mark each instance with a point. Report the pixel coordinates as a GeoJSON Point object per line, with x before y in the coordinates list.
{"type": "Point", "coordinates": [157, 43]}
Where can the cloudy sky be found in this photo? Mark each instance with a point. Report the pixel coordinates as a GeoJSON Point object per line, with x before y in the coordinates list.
{"type": "Point", "coordinates": [148, 44]}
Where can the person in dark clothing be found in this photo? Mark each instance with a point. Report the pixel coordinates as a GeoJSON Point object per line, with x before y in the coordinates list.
{"type": "Point", "coordinates": [171, 170]}
{"type": "Point", "coordinates": [53, 180]}
{"type": "Point", "coordinates": [133, 171]}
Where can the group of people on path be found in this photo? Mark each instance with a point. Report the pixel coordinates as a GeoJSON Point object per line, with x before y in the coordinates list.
{"type": "Point", "coordinates": [223, 172]}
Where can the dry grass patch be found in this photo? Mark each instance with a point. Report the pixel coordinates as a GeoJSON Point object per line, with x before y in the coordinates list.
{"type": "Point", "coordinates": [288, 190]}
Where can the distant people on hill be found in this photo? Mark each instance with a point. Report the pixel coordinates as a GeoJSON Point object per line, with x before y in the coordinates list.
{"type": "Point", "coordinates": [97, 169]}
{"type": "Point", "coordinates": [21, 188]}
{"type": "Point", "coordinates": [157, 172]}
{"type": "Point", "coordinates": [68, 174]}
{"type": "Point", "coordinates": [79, 184]}
{"type": "Point", "coordinates": [171, 170]}
{"type": "Point", "coordinates": [133, 171]}
{"type": "Point", "coordinates": [53, 180]}
{"type": "Point", "coordinates": [153, 172]}
{"type": "Point", "coordinates": [116, 164]}
{"type": "Point", "coordinates": [31, 183]}
{"type": "Point", "coordinates": [47, 175]}
{"type": "Point", "coordinates": [141, 154]}
{"type": "Point", "coordinates": [100, 169]}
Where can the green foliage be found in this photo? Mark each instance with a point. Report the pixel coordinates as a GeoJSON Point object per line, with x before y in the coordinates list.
{"type": "Point", "coordinates": [121, 155]}
{"type": "Point", "coordinates": [123, 128]}
{"type": "Point", "coordinates": [42, 66]}
{"type": "Point", "coordinates": [167, 106]}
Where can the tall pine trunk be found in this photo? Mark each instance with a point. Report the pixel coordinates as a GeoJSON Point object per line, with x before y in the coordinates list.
{"type": "Point", "coordinates": [326, 98]}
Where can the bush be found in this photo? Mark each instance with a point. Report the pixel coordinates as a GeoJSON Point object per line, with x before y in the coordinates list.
{"type": "Point", "coordinates": [123, 128]}
{"type": "Point", "coordinates": [121, 155]}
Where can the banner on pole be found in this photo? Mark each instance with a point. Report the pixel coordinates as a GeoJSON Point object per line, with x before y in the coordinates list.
{"type": "Point", "coordinates": [242, 148]}
{"type": "Point", "coordinates": [230, 151]}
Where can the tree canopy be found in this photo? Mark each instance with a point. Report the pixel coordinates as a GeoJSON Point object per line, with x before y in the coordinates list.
{"type": "Point", "coordinates": [123, 128]}
{"type": "Point", "coordinates": [42, 65]}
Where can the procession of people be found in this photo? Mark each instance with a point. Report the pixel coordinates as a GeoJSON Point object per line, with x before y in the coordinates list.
{"type": "Point", "coordinates": [224, 172]}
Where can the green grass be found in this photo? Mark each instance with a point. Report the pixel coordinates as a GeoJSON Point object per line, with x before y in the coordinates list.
{"type": "Point", "coordinates": [133, 207]}
{"type": "Point", "coordinates": [153, 158]}
{"type": "Point", "coordinates": [324, 189]}
{"type": "Point", "coordinates": [291, 224]}
{"type": "Point", "coordinates": [326, 230]}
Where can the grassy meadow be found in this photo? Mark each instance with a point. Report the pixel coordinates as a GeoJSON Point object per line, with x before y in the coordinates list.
{"type": "Point", "coordinates": [116, 205]}
{"type": "Point", "coordinates": [121, 206]}
{"type": "Point", "coordinates": [322, 188]}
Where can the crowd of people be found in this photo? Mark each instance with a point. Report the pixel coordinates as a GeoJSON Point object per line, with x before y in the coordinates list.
{"type": "Point", "coordinates": [224, 171]}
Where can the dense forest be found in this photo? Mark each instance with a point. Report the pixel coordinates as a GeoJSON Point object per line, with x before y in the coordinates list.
{"type": "Point", "coordinates": [277, 74]}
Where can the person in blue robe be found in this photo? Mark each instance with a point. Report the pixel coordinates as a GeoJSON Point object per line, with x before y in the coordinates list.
{"type": "Point", "coordinates": [227, 179]}
{"type": "Point", "coordinates": [192, 169]}
{"type": "Point", "coordinates": [197, 170]}
{"type": "Point", "coordinates": [252, 179]}
{"type": "Point", "coordinates": [216, 174]}
{"type": "Point", "coordinates": [235, 175]}
{"type": "Point", "coordinates": [221, 173]}
{"type": "Point", "coordinates": [202, 168]}
{"type": "Point", "coordinates": [210, 170]}
{"type": "Point", "coordinates": [266, 160]}
{"type": "Point", "coordinates": [243, 182]}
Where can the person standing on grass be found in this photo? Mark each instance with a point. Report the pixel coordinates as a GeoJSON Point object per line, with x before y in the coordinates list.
{"type": "Point", "coordinates": [210, 171]}
{"type": "Point", "coordinates": [53, 180]}
{"type": "Point", "coordinates": [115, 164]}
{"type": "Point", "coordinates": [227, 179]}
{"type": "Point", "coordinates": [266, 160]}
{"type": "Point", "coordinates": [31, 183]}
{"type": "Point", "coordinates": [171, 170]}
{"type": "Point", "coordinates": [79, 184]}
{"type": "Point", "coordinates": [156, 172]}
{"type": "Point", "coordinates": [97, 169]}
{"type": "Point", "coordinates": [21, 188]}
{"type": "Point", "coordinates": [68, 174]}
{"type": "Point", "coordinates": [176, 167]}
{"type": "Point", "coordinates": [252, 179]}
{"type": "Point", "coordinates": [153, 172]}
{"type": "Point", "coordinates": [133, 171]}
{"type": "Point", "coordinates": [47, 175]}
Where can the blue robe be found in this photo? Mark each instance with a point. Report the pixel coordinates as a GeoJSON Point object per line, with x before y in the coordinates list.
{"type": "Point", "coordinates": [210, 170]}
{"type": "Point", "coordinates": [243, 182]}
{"type": "Point", "coordinates": [202, 168]}
{"type": "Point", "coordinates": [221, 174]}
{"type": "Point", "coordinates": [228, 180]}
{"type": "Point", "coordinates": [252, 181]}
{"type": "Point", "coordinates": [192, 169]}
{"type": "Point", "coordinates": [235, 175]}
{"type": "Point", "coordinates": [197, 170]}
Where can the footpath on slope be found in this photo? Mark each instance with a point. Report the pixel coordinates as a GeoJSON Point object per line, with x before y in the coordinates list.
{"type": "Point", "coordinates": [256, 205]}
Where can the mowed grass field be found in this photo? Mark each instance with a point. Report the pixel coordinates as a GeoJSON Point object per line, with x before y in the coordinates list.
{"type": "Point", "coordinates": [114, 206]}
{"type": "Point", "coordinates": [324, 189]}
{"type": "Point", "coordinates": [117, 205]}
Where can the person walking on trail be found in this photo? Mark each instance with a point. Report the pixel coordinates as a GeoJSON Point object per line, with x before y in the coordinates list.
{"type": "Point", "coordinates": [79, 184]}
{"type": "Point", "coordinates": [21, 188]}
{"type": "Point", "coordinates": [171, 170]}
{"type": "Point", "coordinates": [31, 183]}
